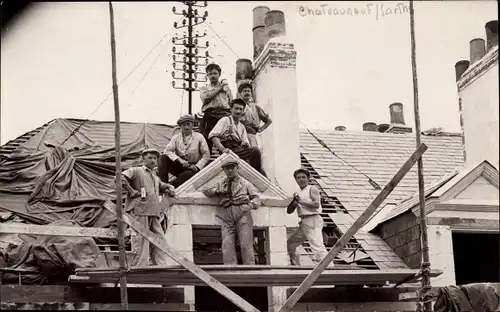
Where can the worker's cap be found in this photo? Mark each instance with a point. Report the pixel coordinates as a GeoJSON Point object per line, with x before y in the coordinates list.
{"type": "Point", "coordinates": [150, 150]}
{"type": "Point", "coordinates": [244, 85]}
{"type": "Point", "coordinates": [231, 162]}
{"type": "Point", "coordinates": [238, 101]}
{"type": "Point", "coordinates": [209, 67]}
{"type": "Point", "coordinates": [185, 118]}
{"type": "Point", "coordinates": [302, 170]}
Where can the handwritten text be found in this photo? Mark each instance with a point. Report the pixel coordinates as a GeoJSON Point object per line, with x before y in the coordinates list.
{"type": "Point", "coordinates": [376, 10]}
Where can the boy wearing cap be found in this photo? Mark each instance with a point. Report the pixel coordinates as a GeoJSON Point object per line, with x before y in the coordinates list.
{"type": "Point", "coordinates": [215, 98]}
{"type": "Point", "coordinates": [254, 115]}
{"type": "Point", "coordinates": [307, 202]}
{"type": "Point", "coordinates": [185, 155]}
{"type": "Point", "coordinates": [143, 198]}
{"type": "Point", "coordinates": [238, 198]}
{"type": "Point", "coordinates": [230, 134]}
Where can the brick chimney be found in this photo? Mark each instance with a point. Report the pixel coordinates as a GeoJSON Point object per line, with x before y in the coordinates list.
{"type": "Point", "coordinates": [369, 126]}
{"type": "Point", "coordinates": [275, 85]}
{"type": "Point", "coordinates": [340, 128]}
{"type": "Point", "coordinates": [491, 34]}
{"type": "Point", "coordinates": [397, 119]}
{"type": "Point", "coordinates": [477, 50]}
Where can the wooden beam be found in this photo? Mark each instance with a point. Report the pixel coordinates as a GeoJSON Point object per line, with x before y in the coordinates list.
{"type": "Point", "coordinates": [179, 258]}
{"type": "Point", "coordinates": [31, 229]}
{"type": "Point", "coordinates": [363, 218]}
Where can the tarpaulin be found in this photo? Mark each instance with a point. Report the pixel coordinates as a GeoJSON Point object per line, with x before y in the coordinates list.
{"type": "Point", "coordinates": [49, 259]}
{"type": "Point", "coordinates": [477, 297]}
{"type": "Point", "coordinates": [70, 179]}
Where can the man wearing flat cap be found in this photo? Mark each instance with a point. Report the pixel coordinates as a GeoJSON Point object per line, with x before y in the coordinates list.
{"type": "Point", "coordinates": [230, 134]}
{"type": "Point", "coordinates": [215, 98]}
{"type": "Point", "coordinates": [307, 202]}
{"type": "Point", "coordinates": [237, 199]}
{"type": "Point", "coordinates": [185, 155]}
{"type": "Point", "coordinates": [254, 114]}
{"type": "Point", "coordinates": [144, 203]}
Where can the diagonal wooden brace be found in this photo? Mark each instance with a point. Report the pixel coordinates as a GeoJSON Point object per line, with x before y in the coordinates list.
{"type": "Point", "coordinates": [340, 244]}
{"type": "Point", "coordinates": [190, 266]}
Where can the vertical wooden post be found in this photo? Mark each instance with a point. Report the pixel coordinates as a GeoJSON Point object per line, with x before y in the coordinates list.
{"type": "Point", "coordinates": [118, 180]}
{"type": "Point", "coordinates": [427, 303]}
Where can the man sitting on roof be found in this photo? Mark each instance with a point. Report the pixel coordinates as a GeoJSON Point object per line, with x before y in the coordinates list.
{"type": "Point", "coordinates": [215, 97]}
{"type": "Point", "coordinates": [308, 205]}
{"type": "Point", "coordinates": [230, 134]}
{"type": "Point", "coordinates": [185, 154]}
{"type": "Point", "coordinates": [143, 198]}
{"type": "Point", "coordinates": [238, 198]}
{"type": "Point", "coordinates": [253, 116]}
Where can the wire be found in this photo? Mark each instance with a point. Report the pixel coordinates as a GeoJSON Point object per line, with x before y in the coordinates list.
{"type": "Point", "coordinates": [370, 180]}
{"type": "Point", "coordinates": [147, 71]}
{"type": "Point", "coordinates": [217, 34]}
{"type": "Point", "coordinates": [126, 77]}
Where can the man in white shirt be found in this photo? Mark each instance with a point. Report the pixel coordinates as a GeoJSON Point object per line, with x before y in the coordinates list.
{"type": "Point", "coordinates": [230, 134]}
{"type": "Point", "coordinates": [185, 155]}
{"type": "Point", "coordinates": [308, 205]}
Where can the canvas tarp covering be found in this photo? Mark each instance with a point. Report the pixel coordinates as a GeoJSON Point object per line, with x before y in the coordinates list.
{"type": "Point", "coordinates": [50, 177]}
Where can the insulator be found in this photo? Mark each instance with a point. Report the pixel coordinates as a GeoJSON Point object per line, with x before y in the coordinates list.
{"type": "Point", "coordinates": [173, 84]}
{"type": "Point", "coordinates": [196, 85]}
{"type": "Point", "coordinates": [183, 22]}
{"type": "Point", "coordinates": [184, 42]}
{"type": "Point", "coordinates": [185, 51]}
{"type": "Point", "coordinates": [184, 12]}
{"type": "Point", "coordinates": [205, 3]}
{"type": "Point", "coordinates": [173, 9]}
{"type": "Point", "coordinates": [207, 54]}
{"type": "Point", "coordinates": [205, 33]}
{"type": "Point", "coordinates": [195, 20]}
{"type": "Point", "coordinates": [175, 24]}
{"type": "Point", "coordinates": [195, 41]}
{"type": "Point", "coordinates": [173, 65]}
{"type": "Point", "coordinates": [206, 12]}
{"type": "Point", "coordinates": [195, 76]}
{"type": "Point", "coordinates": [184, 75]}
{"type": "Point", "coordinates": [174, 56]}
{"type": "Point", "coordinates": [173, 74]}
{"type": "Point", "coordinates": [184, 59]}
{"type": "Point", "coordinates": [184, 67]}
{"type": "Point", "coordinates": [207, 44]}
{"type": "Point", "coordinates": [196, 51]}
{"type": "Point", "coordinates": [195, 11]}
{"type": "Point", "coordinates": [184, 85]}
{"type": "Point", "coordinates": [173, 49]}
{"type": "Point", "coordinates": [206, 61]}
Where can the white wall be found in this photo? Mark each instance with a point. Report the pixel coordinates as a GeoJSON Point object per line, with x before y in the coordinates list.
{"type": "Point", "coordinates": [480, 111]}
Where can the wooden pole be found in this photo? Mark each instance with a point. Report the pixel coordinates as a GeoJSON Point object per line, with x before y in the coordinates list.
{"type": "Point", "coordinates": [363, 218]}
{"type": "Point", "coordinates": [426, 284]}
{"type": "Point", "coordinates": [118, 180]}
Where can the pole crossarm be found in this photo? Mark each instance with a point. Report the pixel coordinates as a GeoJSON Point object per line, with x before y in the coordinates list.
{"type": "Point", "coordinates": [363, 218]}
{"type": "Point", "coordinates": [179, 258]}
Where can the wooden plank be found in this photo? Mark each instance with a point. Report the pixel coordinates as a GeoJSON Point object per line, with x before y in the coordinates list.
{"type": "Point", "coordinates": [365, 216]}
{"type": "Point", "coordinates": [31, 229]}
{"type": "Point", "coordinates": [358, 306]}
{"type": "Point", "coordinates": [179, 258]}
{"type": "Point", "coordinates": [143, 306]}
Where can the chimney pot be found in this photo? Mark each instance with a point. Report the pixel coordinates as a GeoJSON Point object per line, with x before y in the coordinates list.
{"type": "Point", "coordinates": [397, 113]}
{"type": "Point", "coordinates": [460, 68]}
{"type": "Point", "coordinates": [477, 50]}
{"type": "Point", "coordinates": [244, 70]}
{"type": "Point", "coordinates": [382, 128]}
{"type": "Point", "coordinates": [340, 128]}
{"type": "Point", "coordinates": [491, 34]}
{"type": "Point", "coordinates": [369, 126]}
{"type": "Point", "coordinates": [275, 24]}
{"type": "Point", "coordinates": [259, 35]}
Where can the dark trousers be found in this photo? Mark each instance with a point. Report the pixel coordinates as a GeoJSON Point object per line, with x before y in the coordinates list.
{"type": "Point", "coordinates": [210, 119]}
{"type": "Point", "coordinates": [251, 155]}
{"type": "Point", "coordinates": [166, 166]}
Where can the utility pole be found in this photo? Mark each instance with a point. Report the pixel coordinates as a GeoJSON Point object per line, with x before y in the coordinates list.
{"type": "Point", "coordinates": [118, 159]}
{"type": "Point", "coordinates": [190, 56]}
{"type": "Point", "coordinates": [425, 301]}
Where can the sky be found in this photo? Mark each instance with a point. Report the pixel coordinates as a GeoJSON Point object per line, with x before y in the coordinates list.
{"type": "Point", "coordinates": [56, 61]}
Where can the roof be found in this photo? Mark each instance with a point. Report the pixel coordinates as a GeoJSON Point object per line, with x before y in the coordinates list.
{"type": "Point", "coordinates": [379, 156]}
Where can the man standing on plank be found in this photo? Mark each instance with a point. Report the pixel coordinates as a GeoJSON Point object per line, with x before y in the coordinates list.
{"type": "Point", "coordinates": [143, 198]}
{"type": "Point", "coordinates": [238, 198]}
{"type": "Point", "coordinates": [230, 134]}
{"type": "Point", "coordinates": [215, 98]}
{"type": "Point", "coordinates": [185, 155]}
{"type": "Point", "coordinates": [308, 205]}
